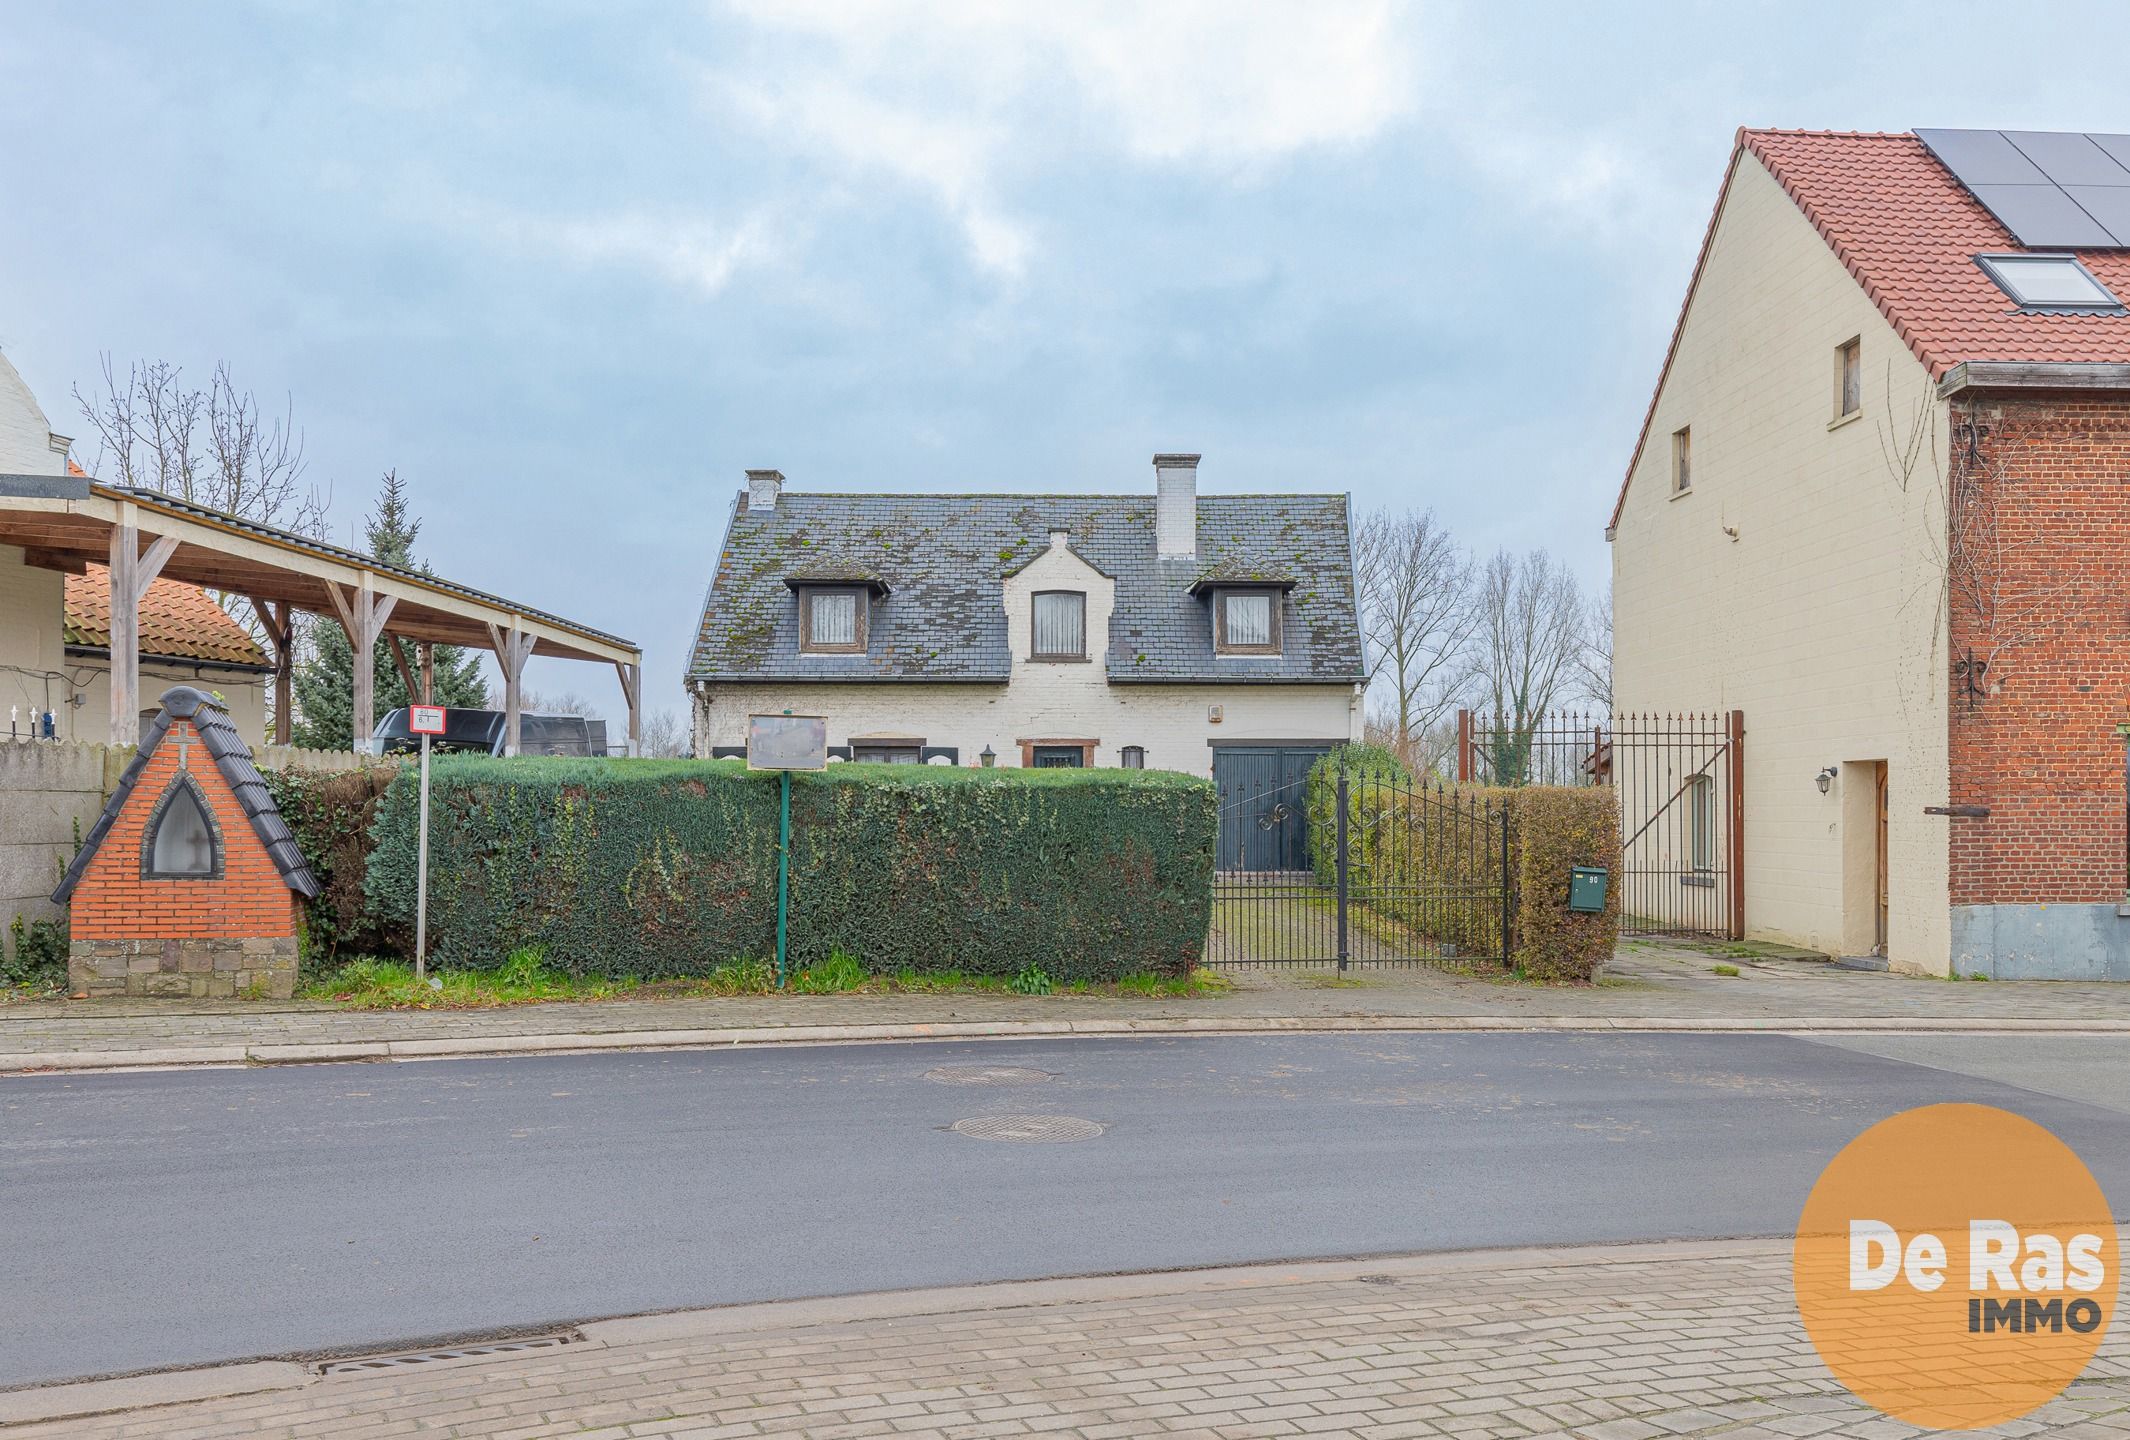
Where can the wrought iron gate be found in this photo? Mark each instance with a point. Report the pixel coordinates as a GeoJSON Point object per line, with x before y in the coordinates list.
{"type": "Point", "coordinates": [1358, 868]}
{"type": "Point", "coordinates": [1680, 781]}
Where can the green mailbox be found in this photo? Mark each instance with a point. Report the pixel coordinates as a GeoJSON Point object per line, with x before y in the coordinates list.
{"type": "Point", "coordinates": [1586, 888]}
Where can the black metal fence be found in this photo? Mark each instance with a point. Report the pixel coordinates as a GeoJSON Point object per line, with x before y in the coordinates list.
{"type": "Point", "coordinates": [1380, 870]}
{"type": "Point", "coordinates": [1680, 784]}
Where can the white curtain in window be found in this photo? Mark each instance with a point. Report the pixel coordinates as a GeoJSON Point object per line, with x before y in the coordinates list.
{"type": "Point", "coordinates": [1061, 623]}
{"type": "Point", "coordinates": [835, 618]}
{"type": "Point", "coordinates": [1249, 619]}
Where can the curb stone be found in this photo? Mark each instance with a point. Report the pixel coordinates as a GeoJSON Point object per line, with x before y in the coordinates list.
{"type": "Point", "coordinates": [471, 1046]}
{"type": "Point", "coordinates": [82, 1398]}
{"type": "Point", "coordinates": [138, 1392]}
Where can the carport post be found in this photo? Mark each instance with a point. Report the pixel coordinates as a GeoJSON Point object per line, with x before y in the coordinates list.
{"type": "Point", "coordinates": [511, 647]}
{"type": "Point", "coordinates": [131, 575]}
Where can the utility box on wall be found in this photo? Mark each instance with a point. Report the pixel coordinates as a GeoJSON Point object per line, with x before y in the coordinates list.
{"type": "Point", "coordinates": [1586, 889]}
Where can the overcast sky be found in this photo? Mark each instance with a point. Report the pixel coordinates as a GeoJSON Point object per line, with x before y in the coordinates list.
{"type": "Point", "coordinates": [571, 269]}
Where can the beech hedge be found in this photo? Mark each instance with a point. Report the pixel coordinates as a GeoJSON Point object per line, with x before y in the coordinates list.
{"type": "Point", "coordinates": [664, 868]}
{"type": "Point", "coordinates": [1429, 857]}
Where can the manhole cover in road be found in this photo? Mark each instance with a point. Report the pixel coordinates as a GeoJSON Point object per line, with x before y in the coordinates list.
{"type": "Point", "coordinates": [1028, 1129]}
{"type": "Point", "coordinates": [986, 1075]}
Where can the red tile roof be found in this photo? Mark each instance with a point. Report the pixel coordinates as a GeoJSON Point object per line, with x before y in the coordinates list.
{"type": "Point", "coordinates": [176, 619]}
{"type": "Point", "coordinates": [1908, 232]}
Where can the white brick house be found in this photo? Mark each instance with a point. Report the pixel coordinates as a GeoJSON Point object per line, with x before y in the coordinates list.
{"type": "Point", "coordinates": [1212, 635]}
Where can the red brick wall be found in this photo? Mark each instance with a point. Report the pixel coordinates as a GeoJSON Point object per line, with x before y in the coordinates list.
{"type": "Point", "coordinates": [250, 901]}
{"type": "Point", "coordinates": [2041, 750]}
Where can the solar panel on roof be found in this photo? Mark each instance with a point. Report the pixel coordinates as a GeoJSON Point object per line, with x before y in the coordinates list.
{"type": "Point", "coordinates": [2068, 159]}
{"type": "Point", "coordinates": [2117, 146]}
{"type": "Point", "coordinates": [2042, 217]}
{"type": "Point", "coordinates": [2109, 204]}
{"type": "Point", "coordinates": [2053, 190]}
{"type": "Point", "coordinates": [1981, 157]}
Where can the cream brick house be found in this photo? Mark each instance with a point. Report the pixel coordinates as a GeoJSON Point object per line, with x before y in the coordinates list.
{"type": "Point", "coordinates": [1870, 356]}
{"type": "Point", "coordinates": [1214, 635]}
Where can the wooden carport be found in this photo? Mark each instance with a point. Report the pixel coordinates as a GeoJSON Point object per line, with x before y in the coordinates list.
{"type": "Point", "coordinates": [66, 522]}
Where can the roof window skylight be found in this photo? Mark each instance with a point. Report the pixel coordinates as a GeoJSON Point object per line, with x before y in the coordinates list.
{"type": "Point", "coordinates": [2048, 282]}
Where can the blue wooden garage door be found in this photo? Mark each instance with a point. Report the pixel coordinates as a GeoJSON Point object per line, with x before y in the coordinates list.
{"type": "Point", "coordinates": [1262, 824]}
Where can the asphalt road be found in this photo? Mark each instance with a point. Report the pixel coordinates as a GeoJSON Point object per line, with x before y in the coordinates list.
{"type": "Point", "coordinates": [186, 1217]}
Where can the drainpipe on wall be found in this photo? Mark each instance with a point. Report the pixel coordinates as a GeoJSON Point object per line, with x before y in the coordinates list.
{"type": "Point", "coordinates": [2122, 909]}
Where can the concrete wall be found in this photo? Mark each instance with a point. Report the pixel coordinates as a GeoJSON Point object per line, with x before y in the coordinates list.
{"type": "Point", "coordinates": [51, 793]}
{"type": "Point", "coordinates": [1797, 580]}
{"type": "Point", "coordinates": [1055, 700]}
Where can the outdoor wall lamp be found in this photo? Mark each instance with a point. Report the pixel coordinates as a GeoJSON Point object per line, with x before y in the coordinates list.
{"type": "Point", "coordinates": [989, 757]}
{"type": "Point", "coordinates": [1825, 778]}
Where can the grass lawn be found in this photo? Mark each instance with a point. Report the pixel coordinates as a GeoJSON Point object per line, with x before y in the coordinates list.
{"type": "Point", "coordinates": [525, 978]}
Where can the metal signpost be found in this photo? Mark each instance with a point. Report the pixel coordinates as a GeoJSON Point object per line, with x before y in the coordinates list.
{"type": "Point", "coordinates": [785, 743]}
{"type": "Point", "coordinates": [423, 720]}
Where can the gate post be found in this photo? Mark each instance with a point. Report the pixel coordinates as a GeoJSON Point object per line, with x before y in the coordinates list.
{"type": "Point", "coordinates": [1737, 837]}
{"type": "Point", "coordinates": [1464, 747]}
{"type": "Point", "coordinates": [1342, 862]}
{"type": "Point", "coordinates": [1508, 945]}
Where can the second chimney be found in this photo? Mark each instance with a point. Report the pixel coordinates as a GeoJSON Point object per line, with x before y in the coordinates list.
{"type": "Point", "coordinates": [1176, 506]}
{"type": "Point", "coordinates": [763, 487]}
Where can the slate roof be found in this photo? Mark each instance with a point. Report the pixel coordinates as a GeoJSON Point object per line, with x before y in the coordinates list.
{"type": "Point", "coordinates": [944, 559]}
{"type": "Point", "coordinates": [177, 620]}
{"type": "Point", "coordinates": [1908, 234]}
{"type": "Point", "coordinates": [233, 758]}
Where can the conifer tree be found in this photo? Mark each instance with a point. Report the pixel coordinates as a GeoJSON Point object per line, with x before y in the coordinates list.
{"type": "Point", "coordinates": [325, 678]}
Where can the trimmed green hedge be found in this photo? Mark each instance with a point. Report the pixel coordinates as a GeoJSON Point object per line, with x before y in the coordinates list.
{"type": "Point", "coordinates": [658, 868]}
{"type": "Point", "coordinates": [1430, 859]}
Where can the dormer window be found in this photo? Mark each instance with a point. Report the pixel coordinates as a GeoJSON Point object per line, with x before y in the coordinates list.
{"type": "Point", "coordinates": [180, 842]}
{"type": "Point", "coordinates": [1058, 625]}
{"type": "Point", "coordinates": [833, 619]}
{"type": "Point", "coordinates": [1246, 622]}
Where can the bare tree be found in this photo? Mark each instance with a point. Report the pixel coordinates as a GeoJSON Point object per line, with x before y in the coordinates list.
{"type": "Point", "coordinates": [663, 736]}
{"type": "Point", "coordinates": [1532, 631]}
{"type": "Point", "coordinates": [569, 702]}
{"type": "Point", "coordinates": [1593, 658]}
{"type": "Point", "coordinates": [1417, 616]}
{"type": "Point", "coordinates": [212, 447]}
{"type": "Point", "coordinates": [1980, 581]}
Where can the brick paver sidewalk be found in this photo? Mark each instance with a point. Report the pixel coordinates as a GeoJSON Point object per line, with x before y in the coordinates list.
{"type": "Point", "coordinates": [1647, 982]}
{"type": "Point", "coordinates": [1619, 1343]}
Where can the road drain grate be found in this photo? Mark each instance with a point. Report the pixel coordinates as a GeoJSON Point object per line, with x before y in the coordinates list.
{"type": "Point", "coordinates": [367, 1364]}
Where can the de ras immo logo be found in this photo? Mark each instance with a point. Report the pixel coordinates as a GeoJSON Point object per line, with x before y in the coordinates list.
{"type": "Point", "coordinates": [1956, 1266]}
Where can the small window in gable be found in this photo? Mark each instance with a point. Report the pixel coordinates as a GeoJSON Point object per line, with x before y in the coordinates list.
{"type": "Point", "coordinates": [1246, 622]}
{"type": "Point", "coordinates": [1848, 378]}
{"type": "Point", "coordinates": [1059, 625]}
{"type": "Point", "coordinates": [180, 843]}
{"type": "Point", "coordinates": [1682, 460]}
{"type": "Point", "coordinates": [1133, 757]}
{"type": "Point", "coordinates": [832, 620]}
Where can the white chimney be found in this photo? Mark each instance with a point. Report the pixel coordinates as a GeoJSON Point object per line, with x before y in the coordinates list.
{"type": "Point", "coordinates": [1176, 506]}
{"type": "Point", "coordinates": [763, 487]}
